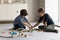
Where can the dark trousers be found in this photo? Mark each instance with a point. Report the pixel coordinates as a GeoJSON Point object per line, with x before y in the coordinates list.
{"type": "Point", "coordinates": [18, 26]}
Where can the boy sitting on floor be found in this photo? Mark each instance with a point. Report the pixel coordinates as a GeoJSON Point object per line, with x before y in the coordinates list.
{"type": "Point", "coordinates": [46, 20]}
{"type": "Point", "coordinates": [21, 21]}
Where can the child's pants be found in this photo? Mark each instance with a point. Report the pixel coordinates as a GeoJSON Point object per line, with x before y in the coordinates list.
{"type": "Point", "coordinates": [18, 26]}
{"type": "Point", "coordinates": [49, 28]}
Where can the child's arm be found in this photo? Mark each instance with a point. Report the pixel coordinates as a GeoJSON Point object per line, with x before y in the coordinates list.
{"type": "Point", "coordinates": [45, 24]}
{"type": "Point", "coordinates": [25, 23]}
{"type": "Point", "coordinates": [29, 24]}
{"type": "Point", "coordinates": [36, 24]}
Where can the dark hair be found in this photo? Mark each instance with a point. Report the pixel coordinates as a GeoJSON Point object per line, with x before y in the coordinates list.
{"type": "Point", "coordinates": [40, 10]}
{"type": "Point", "coordinates": [23, 12]}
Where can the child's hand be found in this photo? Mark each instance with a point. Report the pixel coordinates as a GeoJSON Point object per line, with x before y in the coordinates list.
{"type": "Point", "coordinates": [30, 28]}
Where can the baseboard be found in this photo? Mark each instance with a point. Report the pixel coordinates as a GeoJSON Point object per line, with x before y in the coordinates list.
{"type": "Point", "coordinates": [6, 21]}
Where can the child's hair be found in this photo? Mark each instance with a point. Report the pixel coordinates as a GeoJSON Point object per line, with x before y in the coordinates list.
{"type": "Point", "coordinates": [40, 10]}
{"type": "Point", "coordinates": [23, 12]}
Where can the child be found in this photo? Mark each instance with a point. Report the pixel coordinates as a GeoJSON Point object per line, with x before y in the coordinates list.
{"type": "Point", "coordinates": [21, 21]}
{"type": "Point", "coordinates": [46, 20]}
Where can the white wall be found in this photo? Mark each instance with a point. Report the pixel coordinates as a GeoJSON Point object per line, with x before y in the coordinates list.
{"type": "Point", "coordinates": [59, 10]}
{"type": "Point", "coordinates": [51, 7]}
{"type": "Point", "coordinates": [29, 3]}
{"type": "Point", "coordinates": [33, 6]}
{"type": "Point", "coordinates": [42, 3]}
{"type": "Point", "coordinates": [9, 11]}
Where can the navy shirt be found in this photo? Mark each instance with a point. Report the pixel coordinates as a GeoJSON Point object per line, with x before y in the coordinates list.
{"type": "Point", "coordinates": [46, 18]}
{"type": "Point", "coordinates": [19, 20]}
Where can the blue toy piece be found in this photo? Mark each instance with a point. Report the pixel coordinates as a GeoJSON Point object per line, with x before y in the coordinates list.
{"type": "Point", "coordinates": [13, 33]}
